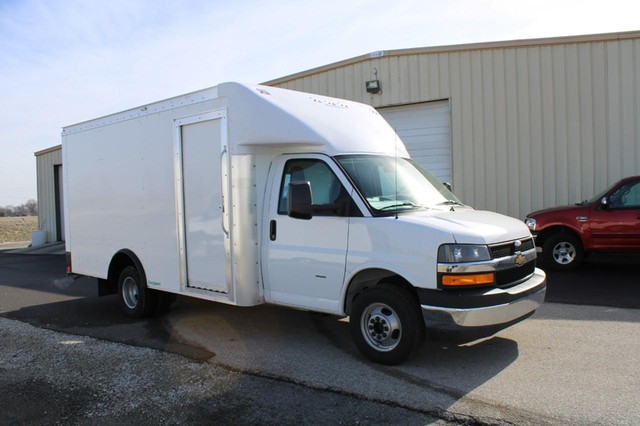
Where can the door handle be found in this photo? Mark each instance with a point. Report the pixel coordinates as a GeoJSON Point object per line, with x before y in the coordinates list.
{"type": "Point", "coordinates": [272, 230]}
{"type": "Point", "coordinates": [224, 184]}
{"type": "Point", "coordinates": [224, 229]}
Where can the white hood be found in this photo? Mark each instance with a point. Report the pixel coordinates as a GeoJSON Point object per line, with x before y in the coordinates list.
{"type": "Point", "coordinates": [468, 226]}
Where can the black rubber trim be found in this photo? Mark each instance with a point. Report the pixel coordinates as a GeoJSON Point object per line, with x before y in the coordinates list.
{"type": "Point", "coordinates": [115, 268]}
{"type": "Point", "coordinates": [477, 298]}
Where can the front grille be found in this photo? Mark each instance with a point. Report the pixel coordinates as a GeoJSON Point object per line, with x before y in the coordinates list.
{"type": "Point", "coordinates": [508, 249]}
{"type": "Point", "coordinates": [509, 277]}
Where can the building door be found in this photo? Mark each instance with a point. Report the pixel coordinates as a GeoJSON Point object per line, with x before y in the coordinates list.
{"type": "Point", "coordinates": [59, 201]}
{"type": "Point", "coordinates": [425, 130]}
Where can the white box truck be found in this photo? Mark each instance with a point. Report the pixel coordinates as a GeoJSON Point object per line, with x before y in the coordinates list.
{"type": "Point", "coordinates": [251, 194]}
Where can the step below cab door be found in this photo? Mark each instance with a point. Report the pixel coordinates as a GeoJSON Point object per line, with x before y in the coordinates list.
{"type": "Point", "coordinates": [304, 259]}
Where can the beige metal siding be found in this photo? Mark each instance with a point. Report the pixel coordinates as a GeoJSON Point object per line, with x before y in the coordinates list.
{"type": "Point", "coordinates": [534, 123]}
{"type": "Point", "coordinates": [426, 132]}
{"type": "Point", "coordinates": [45, 162]}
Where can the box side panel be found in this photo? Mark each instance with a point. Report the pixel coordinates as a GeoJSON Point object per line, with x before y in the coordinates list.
{"type": "Point", "coordinates": [120, 184]}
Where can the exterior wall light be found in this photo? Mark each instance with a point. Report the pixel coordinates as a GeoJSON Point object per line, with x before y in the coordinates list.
{"type": "Point", "coordinates": [373, 86]}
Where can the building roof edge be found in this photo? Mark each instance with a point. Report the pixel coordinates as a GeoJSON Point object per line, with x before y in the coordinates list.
{"type": "Point", "coordinates": [546, 41]}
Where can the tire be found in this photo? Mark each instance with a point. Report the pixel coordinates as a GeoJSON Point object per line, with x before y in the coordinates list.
{"type": "Point", "coordinates": [136, 300]}
{"type": "Point", "coordinates": [562, 252]}
{"type": "Point", "coordinates": [386, 324]}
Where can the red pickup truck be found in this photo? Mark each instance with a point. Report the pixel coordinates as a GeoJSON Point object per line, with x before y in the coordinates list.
{"type": "Point", "coordinates": [608, 222]}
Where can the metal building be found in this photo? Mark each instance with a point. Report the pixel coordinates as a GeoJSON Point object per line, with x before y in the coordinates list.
{"type": "Point", "coordinates": [515, 126]}
{"type": "Point", "coordinates": [50, 194]}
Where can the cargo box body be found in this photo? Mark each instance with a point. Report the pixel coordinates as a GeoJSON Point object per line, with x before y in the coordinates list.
{"type": "Point", "coordinates": [181, 183]}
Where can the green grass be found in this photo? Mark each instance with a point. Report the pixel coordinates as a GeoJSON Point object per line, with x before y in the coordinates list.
{"type": "Point", "coordinates": [15, 229]}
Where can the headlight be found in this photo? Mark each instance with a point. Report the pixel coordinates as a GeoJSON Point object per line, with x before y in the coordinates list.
{"type": "Point", "coordinates": [459, 253]}
{"type": "Point", "coordinates": [531, 223]}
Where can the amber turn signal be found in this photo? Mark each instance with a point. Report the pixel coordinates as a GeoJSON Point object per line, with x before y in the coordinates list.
{"type": "Point", "coordinates": [473, 279]}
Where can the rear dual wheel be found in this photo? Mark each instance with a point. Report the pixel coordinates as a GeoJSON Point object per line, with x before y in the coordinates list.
{"type": "Point", "coordinates": [138, 301]}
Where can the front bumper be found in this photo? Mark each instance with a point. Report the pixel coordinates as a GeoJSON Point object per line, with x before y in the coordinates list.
{"type": "Point", "coordinates": [493, 308]}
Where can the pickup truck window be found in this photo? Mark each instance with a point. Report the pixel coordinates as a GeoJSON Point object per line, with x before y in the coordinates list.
{"type": "Point", "coordinates": [625, 197]}
{"type": "Point", "coordinates": [392, 185]}
{"type": "Point", "coordinates": [329, 196]}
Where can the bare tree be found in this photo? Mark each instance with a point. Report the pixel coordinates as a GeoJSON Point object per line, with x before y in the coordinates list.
{"type": "Point", "coordinates": [30, 208]}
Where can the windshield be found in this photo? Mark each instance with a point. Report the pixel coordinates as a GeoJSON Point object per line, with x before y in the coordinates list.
{"type": "Point", "coordinates": [596, 198]}
{"type": "Point", "coordinates": [388, 191]}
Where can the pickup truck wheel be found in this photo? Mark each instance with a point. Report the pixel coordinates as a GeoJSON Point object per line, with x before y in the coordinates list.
{"type": "Point", "coordinates": [136, 300]}
{"type": "Point", "coordinates": [386, 324]}
{"type": "Point", "coordinates": [562, 252]}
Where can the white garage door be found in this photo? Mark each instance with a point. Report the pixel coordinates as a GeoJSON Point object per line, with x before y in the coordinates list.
{"type": "Point", "coordinates": [426, 132]}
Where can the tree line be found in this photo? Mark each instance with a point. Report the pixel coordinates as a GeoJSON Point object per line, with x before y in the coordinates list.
{"type": "Point", "coordinates": [30, 208]}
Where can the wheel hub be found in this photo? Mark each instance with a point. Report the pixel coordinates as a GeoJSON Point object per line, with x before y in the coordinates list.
{"type": "Point", "coordinates": [130, 293]}
{"type": "Point", "coordinates": [378, 328]}
{"type": "Point", "coordinates": [381, 327]}
{"type": "Point", "coordinates": [564, 253]}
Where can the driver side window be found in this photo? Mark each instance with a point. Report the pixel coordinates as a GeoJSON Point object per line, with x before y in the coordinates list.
{"type": "Point", "coordinates": [627, 196]}
{"type": "Point", "coordinates": [329, 197]}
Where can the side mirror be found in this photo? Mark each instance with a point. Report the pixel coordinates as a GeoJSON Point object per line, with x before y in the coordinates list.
{"type": "Point", "coordinates": [299, 201]}
{"type": "Point", "coordinates": [604, 202]}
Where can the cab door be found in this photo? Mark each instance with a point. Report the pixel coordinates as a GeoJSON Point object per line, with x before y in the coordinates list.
{"type": "Point", "coordinates": [305, 259]}
{"type": "Point", "coordinates": [616, 225]}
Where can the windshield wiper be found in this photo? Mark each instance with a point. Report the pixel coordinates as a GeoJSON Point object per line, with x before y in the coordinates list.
{"type": "Point", "coordinates": [450, 203]}
{"type": "Point", "coordinates": [404, 204]}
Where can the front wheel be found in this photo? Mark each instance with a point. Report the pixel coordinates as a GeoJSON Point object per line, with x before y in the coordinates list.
{"type": "Point", "coordinates": [386, 324]}
{"type": "Point", "coordinates": [562, 252]}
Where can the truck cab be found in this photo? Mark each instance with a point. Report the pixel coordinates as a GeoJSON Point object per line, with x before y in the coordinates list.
{"type": "Point", "coordinates": [378, 238]}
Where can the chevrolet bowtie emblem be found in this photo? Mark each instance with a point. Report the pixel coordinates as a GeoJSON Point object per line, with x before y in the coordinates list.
{"type": "Point", "coordinates": [520, 259]}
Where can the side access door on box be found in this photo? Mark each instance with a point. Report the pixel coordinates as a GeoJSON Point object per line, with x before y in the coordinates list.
{"type": "Point", "coordinates": [202, 185]}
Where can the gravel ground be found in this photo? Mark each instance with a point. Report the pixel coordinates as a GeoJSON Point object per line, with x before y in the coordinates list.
{"type": "Point", "coordinates": [48, 378]}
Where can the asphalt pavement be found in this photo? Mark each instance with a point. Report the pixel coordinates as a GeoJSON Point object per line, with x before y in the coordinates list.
{"type": "Point", "coordinates": [291, 367]}
{"type": "Point", "coordinates": [604, 279]}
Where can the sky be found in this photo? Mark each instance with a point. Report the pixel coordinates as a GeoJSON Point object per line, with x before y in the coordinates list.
{"type": "Point", "coordinates": [68, 61]}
